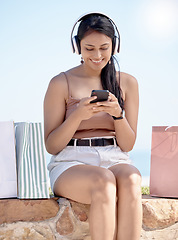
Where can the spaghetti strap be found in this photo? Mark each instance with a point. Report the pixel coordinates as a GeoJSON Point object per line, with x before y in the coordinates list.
{"type": "Point", "coordinates": [69, 92]}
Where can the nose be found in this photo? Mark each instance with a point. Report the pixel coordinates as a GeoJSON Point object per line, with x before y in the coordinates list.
{"type": "Point", "coordinates": [97, 54]}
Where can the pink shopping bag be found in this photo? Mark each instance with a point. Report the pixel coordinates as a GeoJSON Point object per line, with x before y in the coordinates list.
{"type": "Point", "coordinates": [164, 162]}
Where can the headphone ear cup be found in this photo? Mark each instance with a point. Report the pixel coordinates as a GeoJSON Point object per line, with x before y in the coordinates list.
{"type": "Point", "coordinates": [76, 45]}
{"type": "Point", "coordinates": [115, 45]}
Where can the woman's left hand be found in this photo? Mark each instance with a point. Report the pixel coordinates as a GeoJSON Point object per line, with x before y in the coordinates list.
{"type": "Point", "coordinates": [111, 106]}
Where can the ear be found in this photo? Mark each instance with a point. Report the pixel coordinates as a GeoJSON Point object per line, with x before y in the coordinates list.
{"type": "Point", "coordinates": [76, 45]}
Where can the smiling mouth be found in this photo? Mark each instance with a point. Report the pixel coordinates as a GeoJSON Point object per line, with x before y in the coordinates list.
{"type": "Point", "coordinates": [99, 61]}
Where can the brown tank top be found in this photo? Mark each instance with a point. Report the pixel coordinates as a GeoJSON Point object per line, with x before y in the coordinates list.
{"type": "Point", "coordinates": [100, 125]}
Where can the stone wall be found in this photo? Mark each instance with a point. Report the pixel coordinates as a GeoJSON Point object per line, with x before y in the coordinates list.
{"type": "Point", "coordinates": [61, 219]}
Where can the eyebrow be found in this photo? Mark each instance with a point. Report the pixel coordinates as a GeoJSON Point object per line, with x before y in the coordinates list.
{"type": "Point", "coordinates": [90, 45]}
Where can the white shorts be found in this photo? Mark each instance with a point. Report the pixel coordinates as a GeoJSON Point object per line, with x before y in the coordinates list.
{"type": "Point", "coordinates": [70, 156]}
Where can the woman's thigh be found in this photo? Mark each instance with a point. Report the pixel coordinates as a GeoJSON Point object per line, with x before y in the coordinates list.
{"type": "Point", "coordinates": [78, 182]}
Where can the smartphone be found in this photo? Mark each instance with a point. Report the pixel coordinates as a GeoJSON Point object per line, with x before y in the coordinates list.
{"type": "Point", "coordinates": [102, 95]}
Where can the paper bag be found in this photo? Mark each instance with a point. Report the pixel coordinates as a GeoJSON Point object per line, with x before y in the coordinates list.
{"type": "Point", "coordinates": [164, 162]}
{"type": "Point", "coordinates": [31, 161]}
{"type": "Point", "coordinates": [8, 174]}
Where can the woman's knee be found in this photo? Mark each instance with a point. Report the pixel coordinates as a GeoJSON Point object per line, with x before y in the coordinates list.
{"type": "Point", "coordinates": [104, 185]}
{"type": "Point", "coordinates": [130, 180]}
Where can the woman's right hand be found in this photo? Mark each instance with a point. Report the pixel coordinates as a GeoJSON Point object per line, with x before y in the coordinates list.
{"type": "Point", "coordinates": [85, 109]}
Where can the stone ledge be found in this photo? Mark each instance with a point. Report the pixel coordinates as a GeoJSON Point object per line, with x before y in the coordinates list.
{"type": "Point", "coordinates": [159, 213]}
{"type": "Point", "coordinates": [13, 210]}
{"type": "Point", "coordinates": [65, 220]}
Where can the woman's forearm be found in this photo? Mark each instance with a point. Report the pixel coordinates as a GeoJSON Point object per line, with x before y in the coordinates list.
{"type": "Point", "coordinates": [125, 136]}
{"type": "Point", "coordinates": [59, 138]}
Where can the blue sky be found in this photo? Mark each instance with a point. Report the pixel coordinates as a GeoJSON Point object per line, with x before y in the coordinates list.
{"type": "Point", "coordinates": [35, 46]}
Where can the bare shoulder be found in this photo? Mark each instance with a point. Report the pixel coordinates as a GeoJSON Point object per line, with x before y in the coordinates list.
{"type": "Point", "coordinates": [127, 80]}
{"type": "Point", "coordinates": [59, 80]}
{"type": "Point", "coordinates": [58, 85]}
{"type": "Point", "coordinates": [128, 83]}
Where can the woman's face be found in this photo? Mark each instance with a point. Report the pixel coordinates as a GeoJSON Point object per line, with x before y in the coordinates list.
{"type": "Point", "coordinates": [96, 49]}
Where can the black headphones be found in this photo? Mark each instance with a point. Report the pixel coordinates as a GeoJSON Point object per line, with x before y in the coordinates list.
{"type": "Point", "coordinates": [75, 41]}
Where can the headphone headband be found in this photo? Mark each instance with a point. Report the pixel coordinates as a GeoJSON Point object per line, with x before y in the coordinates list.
{"type": "Point", "coordinates": [73, 39]}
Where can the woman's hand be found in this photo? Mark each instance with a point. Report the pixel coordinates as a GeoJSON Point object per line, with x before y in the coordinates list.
{"type": "Point", "coordinates": [85, 109]}
{"type": "Point", "coordinates": [111, 106]}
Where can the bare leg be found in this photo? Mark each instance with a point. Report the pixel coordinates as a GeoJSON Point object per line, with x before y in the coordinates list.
{"type": "Point", "coordinates": [129, 201]}
{"type": "Point", "coordinates": [96, 186]}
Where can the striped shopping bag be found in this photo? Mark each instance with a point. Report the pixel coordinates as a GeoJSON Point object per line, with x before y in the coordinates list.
{"type": "Point", "coordinates": [31, 162]}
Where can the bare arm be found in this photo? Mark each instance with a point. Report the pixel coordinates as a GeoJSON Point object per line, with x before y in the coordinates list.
{"type": "Point", "coordinates": [126, 129]}
{"type": "Point", "coordinates": [57, 131]}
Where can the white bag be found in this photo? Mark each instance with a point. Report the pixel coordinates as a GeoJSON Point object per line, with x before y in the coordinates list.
{"type": "Point", "coordinates": [8, 173]}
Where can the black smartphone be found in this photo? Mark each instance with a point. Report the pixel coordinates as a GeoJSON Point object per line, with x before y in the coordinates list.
{"type": "Point", "coordinates": [102, 95]}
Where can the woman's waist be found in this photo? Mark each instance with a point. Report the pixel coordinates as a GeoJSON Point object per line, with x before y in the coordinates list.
{"type": "Point", "coordinates": [94, 133]}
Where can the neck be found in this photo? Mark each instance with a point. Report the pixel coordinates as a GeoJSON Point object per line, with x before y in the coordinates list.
{"type": "Point", "coordinates": [90, 72]}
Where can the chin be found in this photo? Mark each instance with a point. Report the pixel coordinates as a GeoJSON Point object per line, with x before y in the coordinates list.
{"type": "Point", "coordinates": [97, 66]}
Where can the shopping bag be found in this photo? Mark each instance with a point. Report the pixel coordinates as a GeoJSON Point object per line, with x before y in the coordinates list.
{"type": "Point", "coordinates": [164, 162]}
{"type": "Point", "coordinates": [8, 174]}
{"type": "Point", "coordinates": [31, 161]}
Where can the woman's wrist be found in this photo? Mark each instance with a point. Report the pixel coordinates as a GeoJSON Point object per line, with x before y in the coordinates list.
{"type": "Point", "coordinates": [118, 117]}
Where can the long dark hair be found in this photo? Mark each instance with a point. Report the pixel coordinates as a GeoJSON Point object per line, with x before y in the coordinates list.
{"type": "Point", "coordinates": [103, 25]}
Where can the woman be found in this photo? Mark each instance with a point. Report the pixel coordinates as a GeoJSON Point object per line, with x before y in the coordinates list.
{"type": "Point", "coordinates": [89, 141]}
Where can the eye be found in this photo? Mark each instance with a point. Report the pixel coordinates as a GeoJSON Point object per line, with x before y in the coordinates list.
{"type": "Point", "coordinates": [89, 49]}
{"type": "Point", "coordinates": [104, 48]}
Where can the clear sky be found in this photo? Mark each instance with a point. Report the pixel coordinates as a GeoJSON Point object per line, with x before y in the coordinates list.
{"type": "Point", "coordinates": [35, 46]}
